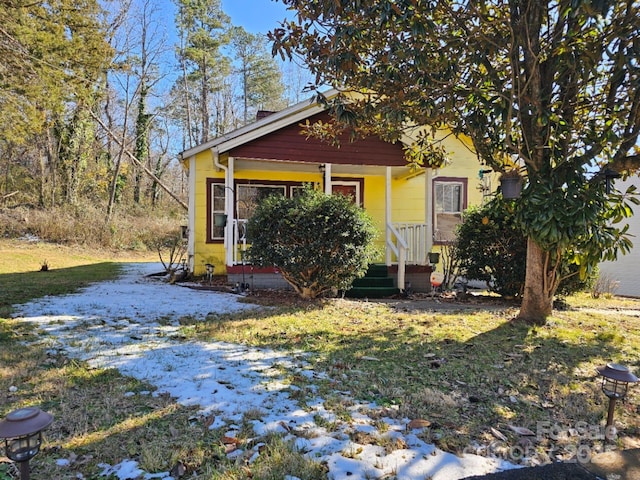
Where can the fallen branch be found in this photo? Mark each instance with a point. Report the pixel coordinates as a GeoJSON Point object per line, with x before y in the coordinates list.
{"type": "Point", "coordinates": [9, 194]}
{"type": "Point", "coordinates": [135, 160]}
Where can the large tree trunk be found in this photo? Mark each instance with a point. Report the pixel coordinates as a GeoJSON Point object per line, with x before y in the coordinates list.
{"type": "Point", "coordinates": [539, 286]}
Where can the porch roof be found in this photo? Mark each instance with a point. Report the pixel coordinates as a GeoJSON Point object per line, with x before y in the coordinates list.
{"type": "Point", "coordinates": [400, 171]}
{"type": "Point", "coordinates": [277, 138]}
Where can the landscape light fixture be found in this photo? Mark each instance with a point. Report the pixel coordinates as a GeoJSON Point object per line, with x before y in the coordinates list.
{"type": "Point", "coordinates": [615, 383]}
{"type": "Point", "coordinates": [22, 433]}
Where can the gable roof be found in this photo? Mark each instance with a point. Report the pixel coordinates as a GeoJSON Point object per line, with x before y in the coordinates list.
{"type": "Point", "coordinates": [292, 144]}
{"type": "Point", "coordinates": [262, 127]}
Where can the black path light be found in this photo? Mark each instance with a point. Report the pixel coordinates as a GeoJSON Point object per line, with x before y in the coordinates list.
{"type": "Point", "coordinates": [615, 383]}
{"type": "Point", "coordinates": [22, 434]}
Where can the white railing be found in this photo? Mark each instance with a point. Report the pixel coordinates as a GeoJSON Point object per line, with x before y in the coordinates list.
{"type": "Point", "coordinates": [239, 240]}
{"type": "Point", "coordinates": [399, 249]}
{"type": "Point", "coordinates": [406, 241]}
{"type": "Point", "coordinates": [415, 237]}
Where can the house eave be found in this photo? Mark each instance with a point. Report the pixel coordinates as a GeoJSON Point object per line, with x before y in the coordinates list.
{"type": "Point", "coordinates": [264, 126]}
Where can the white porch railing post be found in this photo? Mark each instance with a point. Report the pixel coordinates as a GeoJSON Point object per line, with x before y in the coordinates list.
{"type": "Point", "coordinates": [401, 267]}
{"type": "Point", "coordinates": [428, 208]}
{"type": "Point", "coordinates": [230, 238]}
{"type": "Point", "coordinates": [400, 250]}
{"type": "Point", "coordinates": [387, 215]}
{"type": "Point", "coordinates": [328, 188]}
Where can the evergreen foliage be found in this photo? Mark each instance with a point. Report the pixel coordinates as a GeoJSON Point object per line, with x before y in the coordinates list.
{"type": "Point", "coordinates": [491, 247]}
{"type": "Point", "coordinates": [261, 84]}
{"type": "Point", "coordinates": [550, 86]}
{"type": "Point", "coordinates": [89, 87]}
{"type": "Point", "coordinates": [318, 242]}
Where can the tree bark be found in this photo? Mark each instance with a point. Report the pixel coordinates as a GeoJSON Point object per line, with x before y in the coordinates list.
{"type": "Point", "coordinates": [537, 302]}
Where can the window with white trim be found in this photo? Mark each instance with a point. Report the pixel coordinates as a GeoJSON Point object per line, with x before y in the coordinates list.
{"type": "Point", "coordinates": [448, 205]}
{"type": "Point", "coordinates": [250, 195]}
{"type": "Point", "coordinates": [217, 209]}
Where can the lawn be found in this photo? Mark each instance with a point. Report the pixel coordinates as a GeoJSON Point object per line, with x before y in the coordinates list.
{"type": "Point", "coordinates": [32, 269]}
{"type": "Point", "coordinates": [468, 372]}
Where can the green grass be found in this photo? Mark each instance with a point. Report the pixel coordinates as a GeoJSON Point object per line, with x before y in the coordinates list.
{"type": "Point", "coordinates": [465, 372]}
{"type": "Point", "coordinates": [70, 269]}
{"type": "Point", "coordinates": [96, 420]}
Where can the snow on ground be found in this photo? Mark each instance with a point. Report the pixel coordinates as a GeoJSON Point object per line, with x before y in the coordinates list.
{"type": "Point", "coordinates": [132, 324]}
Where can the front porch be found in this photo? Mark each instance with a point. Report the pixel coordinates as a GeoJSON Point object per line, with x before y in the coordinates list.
{"type": "Point", "coordinates": [379, 189]}
{"type": "Point", "coordinates": [415, 276]}
{"type": "Point", "coordinates": [407, 259]}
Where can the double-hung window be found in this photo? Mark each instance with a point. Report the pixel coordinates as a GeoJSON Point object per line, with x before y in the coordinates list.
{"type": "Point", "coordinates": [449, 203]}
{"type": "Point", "coordinates": [217, 210]}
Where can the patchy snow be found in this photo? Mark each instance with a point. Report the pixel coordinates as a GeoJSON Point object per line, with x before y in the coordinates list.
{"type": "Point", "coordinates": [132, 324]}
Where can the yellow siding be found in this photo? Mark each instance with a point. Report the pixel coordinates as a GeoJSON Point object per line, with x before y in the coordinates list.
{"type": "Point", "coordinates": [407, 196]}
{"type": "Point", "coordinates": [374, 204]}
{"type": "Point", "coordinates": [408, 199]}
{"type": "Point", "coordinates": [464, 163]}
{"type": "Point", "coordinates": [205, 252]}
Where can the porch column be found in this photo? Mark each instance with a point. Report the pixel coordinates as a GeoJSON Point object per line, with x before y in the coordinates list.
{"type": "Point", "coordinates": [191, 222]}
{"type": "Point", "coordinates": [428, 206]}
{"type": "Point", "coordinates": [327, 179]}
{"type": "Point", "coordinates": [229, 235]}
{"type": "Point", "coordinates": [387, 215]}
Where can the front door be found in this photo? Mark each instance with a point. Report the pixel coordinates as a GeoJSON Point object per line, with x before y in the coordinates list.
{"type": "Point", "coordinates": [348, 189]}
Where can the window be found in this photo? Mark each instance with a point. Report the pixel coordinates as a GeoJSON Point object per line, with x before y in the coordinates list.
{"type": "Point", "coordinates": [449, 202]}
{"type": "Point", "coordinates": [296, 190]}
{"type": "Point", "coordinates": [350, 189]}
{"type": "Point", "coordinates": [249, 196]}
{"type": "Point", "coordinates": [217, 210]}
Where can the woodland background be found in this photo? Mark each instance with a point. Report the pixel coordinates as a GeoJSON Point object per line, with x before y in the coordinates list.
{"type": "Point", "coordinates": [99, 97]}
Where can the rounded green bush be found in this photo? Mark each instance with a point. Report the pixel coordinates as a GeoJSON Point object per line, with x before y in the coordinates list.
{"type": "Point", "coordinates": [318, 242]}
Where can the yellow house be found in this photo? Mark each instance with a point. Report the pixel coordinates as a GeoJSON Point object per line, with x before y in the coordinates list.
{"type": "Point", "coordinates": [415, 210]}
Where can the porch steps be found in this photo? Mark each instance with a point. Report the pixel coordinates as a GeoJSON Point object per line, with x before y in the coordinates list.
{"type": "Point", "coordinates": [375, 284]}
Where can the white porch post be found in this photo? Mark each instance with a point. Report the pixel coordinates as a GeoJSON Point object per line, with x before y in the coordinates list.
{"type": "Point", "coordinates": [191, 222]}
{"type": "Point", "coordinates": [229, 235]}
{"type": "Point", "coordinates": [428, 206]}
{"type": "Point", "coordinates": [387, 215]}
{"type": "Point", "coordinates": [327, 179]}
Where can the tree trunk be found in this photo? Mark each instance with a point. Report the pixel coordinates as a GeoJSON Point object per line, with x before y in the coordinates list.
{"type": "Point", "coordinates": [537, 302]}
{"type": "Point", "coordinates": [204, 105]}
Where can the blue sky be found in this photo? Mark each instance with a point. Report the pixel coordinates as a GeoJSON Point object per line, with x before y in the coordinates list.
{"type": "Point", "coordinates": [256, 16]}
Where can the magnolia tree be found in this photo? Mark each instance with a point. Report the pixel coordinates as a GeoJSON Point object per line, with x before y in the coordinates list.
{"type": "Point", "coordinates": [551, 88]}
{"type": "Point", "coordinates": [318, 242]}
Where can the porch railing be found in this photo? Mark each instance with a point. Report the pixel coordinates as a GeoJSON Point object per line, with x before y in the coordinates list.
{"type": "Point", "coordinates": [407, 242]}
{"type": "Point", "coordinates": [239, 240]}
{"type": "Point", "coordinates": [415, 237]}
{"type": "Point", "coordinates": [399, 248]}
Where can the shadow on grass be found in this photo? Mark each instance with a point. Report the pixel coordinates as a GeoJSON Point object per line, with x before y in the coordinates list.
{"type": "Point", "coordinates": [18, 288]}
{"type": "Point", "coordinates": [508, 375]}
{"type": "Point", "coordinates": [466, 372]}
